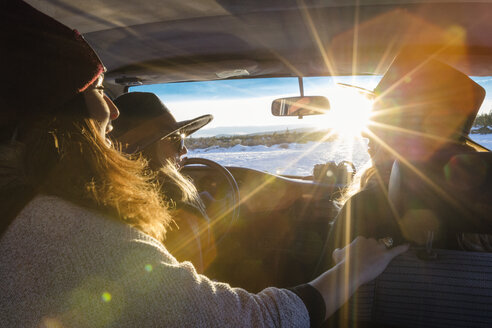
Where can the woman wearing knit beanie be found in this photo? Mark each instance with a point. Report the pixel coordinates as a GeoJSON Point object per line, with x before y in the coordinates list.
{"type": "Point", "coordinates": [82, 224]}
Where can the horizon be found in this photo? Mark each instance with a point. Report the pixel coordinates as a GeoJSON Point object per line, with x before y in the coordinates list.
{"type": "Point", "coordinates": [254, 97]}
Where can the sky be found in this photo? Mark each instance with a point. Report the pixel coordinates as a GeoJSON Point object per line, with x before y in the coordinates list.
{"type": "Point", "coordinates": [246, 103]}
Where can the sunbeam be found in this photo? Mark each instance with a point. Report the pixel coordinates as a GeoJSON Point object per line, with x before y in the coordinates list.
{"type": "Point", "coordinates": [355, 46]}
{"type": "Point", "coordinates": [398, 156]}
{"type": "Point", "coordinates": [410, 132]}
{"type": "Point", "coordinates": [316, 37]}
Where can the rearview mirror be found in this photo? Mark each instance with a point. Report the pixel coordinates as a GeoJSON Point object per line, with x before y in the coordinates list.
{"type": "Point", "coordinates": [300, 106]}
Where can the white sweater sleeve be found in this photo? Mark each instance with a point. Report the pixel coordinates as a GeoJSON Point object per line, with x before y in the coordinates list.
{"type": "Point", "coordinates": [84, 270]}
{"type": "Point", "coordinates": [171, 293]}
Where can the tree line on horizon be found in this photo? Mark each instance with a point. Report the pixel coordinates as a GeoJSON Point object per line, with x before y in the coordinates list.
{"type": "Point", "coordinates": [481, 125]}
{"type": "Point", "coordinates": [268, 139]}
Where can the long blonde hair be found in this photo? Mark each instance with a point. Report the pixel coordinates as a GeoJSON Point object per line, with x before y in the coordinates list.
{"type": "Point", "coordinates": [364, 177]}
{"type": "Point", "coordinates": [66, 156]}
{"type": "Point", "coordinates": [176, 187]}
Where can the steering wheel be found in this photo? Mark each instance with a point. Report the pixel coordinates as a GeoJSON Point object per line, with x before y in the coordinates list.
{"type": "Point", "coordinates": [348, 164]}
{"type": "Point", "coordinates": [232, 214]}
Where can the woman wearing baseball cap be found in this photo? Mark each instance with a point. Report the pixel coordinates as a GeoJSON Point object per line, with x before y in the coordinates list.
{"type": "Point", "coordinates": [81, 223]}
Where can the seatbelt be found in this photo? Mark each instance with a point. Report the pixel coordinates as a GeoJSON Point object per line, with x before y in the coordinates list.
{"type": "Point", "coordinates": [428, 254]}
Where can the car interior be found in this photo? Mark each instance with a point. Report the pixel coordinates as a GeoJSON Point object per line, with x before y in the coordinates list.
{"type": "Point", "coordinates": [276, 227]}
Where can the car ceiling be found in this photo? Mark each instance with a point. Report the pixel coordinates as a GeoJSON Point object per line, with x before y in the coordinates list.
{"type": "Point", "coordinates": [156, 41]}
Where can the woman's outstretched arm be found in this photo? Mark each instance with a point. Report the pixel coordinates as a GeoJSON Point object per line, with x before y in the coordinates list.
{"type": "Point", "coordinates": [358, 263]}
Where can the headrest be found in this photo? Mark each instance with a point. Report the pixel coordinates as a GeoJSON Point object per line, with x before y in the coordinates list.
{"type": "Point", "coordinates": [452, 193]}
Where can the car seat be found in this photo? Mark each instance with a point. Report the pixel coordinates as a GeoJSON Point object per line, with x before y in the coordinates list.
{"type": "Point", "coordinates": [444, 199]}
{"type": "Point", "coordinates": [429, 286]}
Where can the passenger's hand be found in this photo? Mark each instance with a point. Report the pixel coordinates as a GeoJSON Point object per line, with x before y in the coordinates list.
{"type": "Point", "coordinates": [356, 264]}
{"type": "Point", "coordinates": [365, 259]}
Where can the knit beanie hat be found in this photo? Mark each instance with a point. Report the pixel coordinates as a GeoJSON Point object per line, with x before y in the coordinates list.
{"type": "Point", "coordinates": [45, 63]}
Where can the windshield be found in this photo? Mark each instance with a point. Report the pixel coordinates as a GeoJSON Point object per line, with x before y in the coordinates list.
{"type": "Point", "coordinates": [245, 133]}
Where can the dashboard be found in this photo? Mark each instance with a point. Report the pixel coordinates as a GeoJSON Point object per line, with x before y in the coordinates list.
{"type": "Point", "coordinates": [281, 230]}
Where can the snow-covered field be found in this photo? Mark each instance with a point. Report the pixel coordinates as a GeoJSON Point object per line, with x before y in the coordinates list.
{"type": "Point", "coordinates": [297, 159]}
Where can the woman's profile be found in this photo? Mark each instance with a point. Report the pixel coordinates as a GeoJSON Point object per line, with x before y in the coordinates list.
{"type": "Point", "coordinates": [82, 224]}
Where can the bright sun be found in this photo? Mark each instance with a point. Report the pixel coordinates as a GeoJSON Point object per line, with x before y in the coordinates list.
{"type": "Point", "coordinates": [349, 113]}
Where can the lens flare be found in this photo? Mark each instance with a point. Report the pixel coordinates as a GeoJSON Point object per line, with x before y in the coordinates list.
{"type": "Point", "coordinates": [106, 297]}
{"type": "Point", "coordinates": [349, 114]}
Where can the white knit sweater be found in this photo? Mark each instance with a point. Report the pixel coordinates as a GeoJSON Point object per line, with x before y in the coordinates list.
{"type": "Point", "coordinates": [63, 265]}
